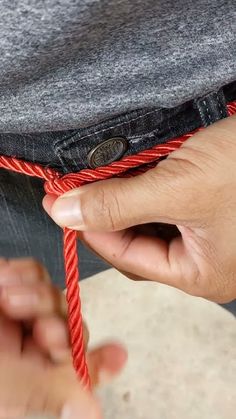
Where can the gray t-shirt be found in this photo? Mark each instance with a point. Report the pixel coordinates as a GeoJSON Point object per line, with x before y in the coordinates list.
{"type": "Point", "coordinates": [71, 63]}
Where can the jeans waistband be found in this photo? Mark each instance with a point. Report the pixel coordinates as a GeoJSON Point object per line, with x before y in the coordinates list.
{"type": "Point", "coordinates": [68, 151]}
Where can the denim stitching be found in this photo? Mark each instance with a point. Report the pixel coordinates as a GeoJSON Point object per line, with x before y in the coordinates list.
{"type": "Point", "coordinates": [208, 114]}
{"type": "Point", "coordinates": [64, 138]}
{"type": "Point", "coordinates": [220, 103]}
{"type": "Point", "coordinates": [136, 139]}
{"type": "Point", "coordinates": [199, 106]}
{"type": "Point", "coordinates": [72, 140]}
{"type": "Point", "coordinates": [119, 125]}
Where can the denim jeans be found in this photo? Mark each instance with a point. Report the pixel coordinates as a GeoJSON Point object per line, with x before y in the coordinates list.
{"type": "Point", "coordinates": [25, 228]}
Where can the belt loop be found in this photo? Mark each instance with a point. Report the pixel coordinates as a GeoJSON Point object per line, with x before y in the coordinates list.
{"type": "Point", "coordinates": [212, 107]}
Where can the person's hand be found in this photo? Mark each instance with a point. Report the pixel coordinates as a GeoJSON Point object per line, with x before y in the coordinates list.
{"type": "Point", "coordinates": [36, 373]}
{"type": "Point", "coordinates": [194, 189]}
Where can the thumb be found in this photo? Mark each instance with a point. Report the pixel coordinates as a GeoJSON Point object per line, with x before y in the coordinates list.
{"type": "Point", "coordinates": [116, 204]}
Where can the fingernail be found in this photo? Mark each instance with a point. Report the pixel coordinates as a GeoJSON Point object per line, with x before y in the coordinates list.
{"type": "Point", "coordinates": [18, 297]}
{"type": "Point", "coordinates": [83, 410]}
{"type": "Point", "coordinates": [66, 210]}
{"type": "Point", "coordinates": [48, 202]}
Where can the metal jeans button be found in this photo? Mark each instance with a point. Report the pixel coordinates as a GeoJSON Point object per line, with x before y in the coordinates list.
{"type": "Point", "coordinates": [108, 151]}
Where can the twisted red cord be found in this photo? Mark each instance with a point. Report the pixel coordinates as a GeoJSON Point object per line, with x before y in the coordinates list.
{"type": "Point", "coordinates": [57, 184]}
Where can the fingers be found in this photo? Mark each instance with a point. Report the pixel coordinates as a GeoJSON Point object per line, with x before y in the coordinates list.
{"type": "Point", "coordinates": [38, 386]}
{"type": "Point", "coordinates": [51, 335]}
{"type": "Point", "coordinates": [182, 263]}
{"type": "Point", "coordinates": [26, 295]}
{"type": "Point", "coordinates": [24, 302]}
{"type": "Point", "coordinates": [38, 390]}
{"type": "Point", "coordinates": [42, 307]}
{"type": "Point", "coordinates": [55, 390]}
{"type": "Point", "coordinates": [22, 271]}
{"type": "Point", "coordinates": [25, 289]}
{"type": "Point", "coordinates": [16, 273]}
{"type": "Point", "coordinates": [146, 257]}
{"type": "Point", "coordinates": [104, 362]}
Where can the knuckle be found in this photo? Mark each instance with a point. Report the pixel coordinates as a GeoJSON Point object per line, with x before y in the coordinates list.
{"type": "Point", "coordinates": [38, 270]}
{"type": "Point", "coordinates": [27, 269]}
{"type": "Point", "coordinates": [216, 279]}
{"type": "Point", "coordinates": [191, 166]}
{"type": "Point", "coordinates": [105, 209]}
{"type": "Point", "coordinates": [208, 277]}
{"type": "Point", "coordinates": [176, 179]}
{"type": "Point", "coordinates": [210, 283]}
{"type": "Point", "coordinates": [114, 214]}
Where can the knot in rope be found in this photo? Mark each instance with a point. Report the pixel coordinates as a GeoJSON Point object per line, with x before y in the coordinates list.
{"type": "Point", "coordinates": [58, 185]}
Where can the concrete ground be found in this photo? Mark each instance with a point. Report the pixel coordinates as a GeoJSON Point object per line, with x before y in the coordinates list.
{"type": "Point", "coordinates": [182, 350]}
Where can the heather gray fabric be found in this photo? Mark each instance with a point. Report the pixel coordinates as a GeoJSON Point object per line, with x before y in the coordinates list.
{"type": "Point", "coordinates": [71, 63]}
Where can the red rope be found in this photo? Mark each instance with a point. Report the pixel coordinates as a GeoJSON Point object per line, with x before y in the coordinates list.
{"type": "Point", "coordinates": [57, 185]}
